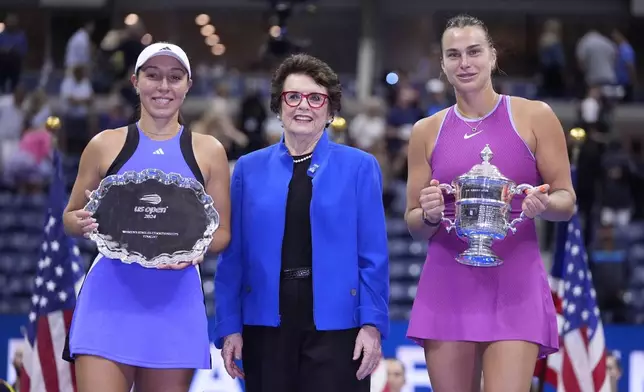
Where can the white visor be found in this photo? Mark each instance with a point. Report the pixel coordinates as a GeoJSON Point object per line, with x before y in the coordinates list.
{"type": "Point", "coordinates": [163, 49]}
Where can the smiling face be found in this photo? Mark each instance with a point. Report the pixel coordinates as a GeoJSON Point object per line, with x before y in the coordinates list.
{"type": "Point", "coordinates": [468, 58]}
{"type": "Point", "coordinates": [305, 106]}
{"type": "Point", "coordinates": [162, 83]}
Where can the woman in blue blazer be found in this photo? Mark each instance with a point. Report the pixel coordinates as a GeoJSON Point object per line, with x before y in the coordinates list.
{"type": "Point", "coordinates": [303, 286]}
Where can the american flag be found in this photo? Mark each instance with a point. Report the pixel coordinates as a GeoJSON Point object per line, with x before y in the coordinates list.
{"type": "Point", "coordinates": [580, 364]}
{"type": "Point", "coordinates": [59, 275]}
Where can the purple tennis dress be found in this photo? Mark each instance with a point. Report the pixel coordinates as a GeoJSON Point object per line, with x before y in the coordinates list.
{"type": "Point", "coordinates": [142, 316]}
{"type": "Point", "coordinates": [456, 302]}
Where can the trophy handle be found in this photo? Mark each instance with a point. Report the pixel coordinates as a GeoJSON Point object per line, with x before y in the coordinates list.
{"type": "Point", "coordinates": [450, 223]}
{"type": "Point", "coordinates": [512, 225]}
{"type": "Point", "coordinates": [447, 188]}
{"type": "Point", "coordinates": [523, 188]}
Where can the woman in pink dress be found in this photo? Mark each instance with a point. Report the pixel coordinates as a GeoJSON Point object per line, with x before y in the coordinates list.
{"type": "Point", "coordinates": [471, 320]}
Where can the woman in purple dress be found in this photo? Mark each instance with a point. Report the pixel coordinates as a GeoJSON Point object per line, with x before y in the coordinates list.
{"type": "Point", "coordinates": [470, 320]}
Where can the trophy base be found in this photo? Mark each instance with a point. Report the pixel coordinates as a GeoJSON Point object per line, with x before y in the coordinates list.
{"type": "Point", "coordinates": [479, 253]}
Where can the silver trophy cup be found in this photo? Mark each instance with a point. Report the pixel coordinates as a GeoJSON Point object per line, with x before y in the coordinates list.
{"type": "Point", "coordinates": [482, 212]}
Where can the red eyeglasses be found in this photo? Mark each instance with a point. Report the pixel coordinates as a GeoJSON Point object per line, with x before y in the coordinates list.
{"type": "Point", "coordinates": [294, 98]}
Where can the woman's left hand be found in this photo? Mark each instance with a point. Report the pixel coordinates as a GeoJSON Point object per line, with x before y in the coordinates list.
{"type": "Point", "coordinates": [368, 343]}
{"type": "Point", "coordinates": [536, 201]}
{"type": "Point", "coordinates": [182, 265]}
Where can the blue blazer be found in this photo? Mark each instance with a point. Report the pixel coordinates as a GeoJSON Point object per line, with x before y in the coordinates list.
{"type": "Point", "coordinates": [348, 231]}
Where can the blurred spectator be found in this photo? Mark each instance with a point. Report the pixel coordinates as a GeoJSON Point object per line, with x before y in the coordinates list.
{"type": "Point", "coordinates": [127, 49]}
{"type": "Point", "coordinates": [273, 129]}
{"type": "Point", "coordinates": [596, 56]}
{"type": "Point", "coordinates": [625, 65]}
{"type": "Point", "coordinates": [79, 48]}
{"type": "Point", "coordinates": [368, 127]}
{"type": "Point", "coordinates": [609, 269]}
{"type": "Point", "coordinates": [116, 115]}
{"type": "Point", "coordinates": [252, 116]}
{"type": "Point", "coordinates": [637, 168]}
{"type": "Point", "coordinates": [395, 375]}
{"type": "Point", "coordinates": [613, 370]}
{"type": "Point", "coordinates": [591, 107]}
{"type": "Point", "coordinates": [552, 60]}
{"type": "Point", "coordinates": [13, 48]}
{"type": "Point", "coordinates": [221, 128]}
{"type": "Point", "coordinates": [30, 167]}
{"type": "Point", "coordinates": [217, 121]}
{"type": "Point", "coordinates": [438, 96]}
{"type": "Point", "coordinates": [616, 195]}
{"type": "Point", "coordinates": [37, 109]}
{"type": "Point", "coordinates": [429, 66]}
{"type": "Point", "coordinates": [17, 365]}
{"type": "Point", "coordinates": [12, 115]}
{"type": "Point", "coordinates": [77, 98]}
{"type": "Point", "coordinates": [400, 120]}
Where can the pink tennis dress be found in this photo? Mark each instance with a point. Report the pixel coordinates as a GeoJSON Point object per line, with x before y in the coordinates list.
{"type": "Point", "coordinates": [456, 302]}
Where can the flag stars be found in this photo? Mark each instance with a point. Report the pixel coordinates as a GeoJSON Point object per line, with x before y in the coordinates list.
{"type": "Point", "coordinates": [577, 291]}
{"type": "Point", "coordinates": [54, 246]}
{"type": "Point", "coordinates": [44, 247]}
{"type": "Point", "coordinates": [75, 267]}
{"type": "Point", "coordinates": [574, 250]}
{"type": "Point", "coordinates": [39, 281]}
{"type": "Point", "coordinates": [44, 263]}
{"type": "Point", "coordinates": [585, 314]}
{"type": "Point", "coordinates": [76, 251]}
{"type": "Point", "coordinates": [59, 271]}
{"type": "Point", "coordinates": [50, 223]}
{"type": "Point", "coordinates": [51, 285]}
{"type": "Point", "coordinates": [43, 302]}
{"type": "Point", "coordinates": [571, 308]}
{"type": "Point", "coordinates": [32, 317]}
{"type": "Point", "coordinates": [35, 299]}
{"type": "Point", "coordinates": [62, 296]}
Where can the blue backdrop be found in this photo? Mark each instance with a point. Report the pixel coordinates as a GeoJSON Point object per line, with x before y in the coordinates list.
{"type": "Point", "coordinates": [627, 340]}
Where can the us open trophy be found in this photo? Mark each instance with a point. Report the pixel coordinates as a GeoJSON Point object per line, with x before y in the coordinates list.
{"type": "Point", "coordinates": [483, 196]}
{"type": "Point", "coordinates": [152, 218]}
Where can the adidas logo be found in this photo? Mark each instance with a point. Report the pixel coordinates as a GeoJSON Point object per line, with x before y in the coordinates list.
{"type": "Point", "coordinates": [158, 152]}
{"type": "Point", "coordinates": [165, 48]}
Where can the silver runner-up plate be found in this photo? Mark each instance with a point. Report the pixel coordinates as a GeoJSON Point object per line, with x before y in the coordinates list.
{"type": "Point", "coordinates": [152, 218]}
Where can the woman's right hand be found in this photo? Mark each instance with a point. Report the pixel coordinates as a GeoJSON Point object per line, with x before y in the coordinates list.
{"type": "Point", "coordinates": [432, 202]}
{"type": "Point", "coordinates": [232, 351]}
{"type": "Point", "coordinates": [81, 221]}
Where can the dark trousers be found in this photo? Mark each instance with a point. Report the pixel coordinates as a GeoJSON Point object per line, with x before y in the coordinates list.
{"type": "Point", "coordinates": [295, 357]}
{"type": "Point", "coordinates": [10, 70]}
